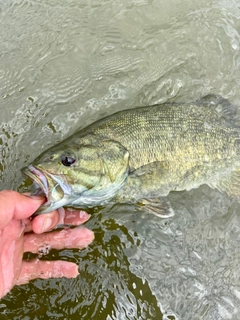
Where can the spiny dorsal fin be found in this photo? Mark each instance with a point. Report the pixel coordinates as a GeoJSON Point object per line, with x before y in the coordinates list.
{"type": "Point", "coordinates": [221, 105]}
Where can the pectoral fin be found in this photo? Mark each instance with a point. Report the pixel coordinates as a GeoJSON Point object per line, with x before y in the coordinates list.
{"type": "Point", "coordinates": [229, 183]}
{"type": "Point", "coordinates": [160, 207]}
{"type": "Point", "coordinates": [149, 181]}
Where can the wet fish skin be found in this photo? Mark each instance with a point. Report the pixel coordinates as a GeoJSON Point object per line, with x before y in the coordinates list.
{"type": "Point", "coordinates": [144, 153]}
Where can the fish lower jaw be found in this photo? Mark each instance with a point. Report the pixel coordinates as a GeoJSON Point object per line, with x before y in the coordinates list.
{"type": "Point", "coordinates": [50, 206]}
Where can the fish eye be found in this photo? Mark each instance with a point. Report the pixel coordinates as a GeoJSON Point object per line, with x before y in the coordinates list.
{"type": "Point", "coordinates": [67, 161]}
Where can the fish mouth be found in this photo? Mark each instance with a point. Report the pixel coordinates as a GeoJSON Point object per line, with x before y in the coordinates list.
{"type": "Point", "coordinates": [54, 187]}
{"type": "Point", "coordinates": [39, 180]}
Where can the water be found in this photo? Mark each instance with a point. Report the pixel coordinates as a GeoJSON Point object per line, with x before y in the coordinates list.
{"type": "Point", "coordinates": [65, 64]}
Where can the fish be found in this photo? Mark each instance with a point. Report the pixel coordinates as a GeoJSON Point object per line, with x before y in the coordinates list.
{"type": "Point", "coordinates": [140, 155]}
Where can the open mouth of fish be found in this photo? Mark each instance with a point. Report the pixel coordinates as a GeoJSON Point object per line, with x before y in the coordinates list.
{"type": "Point", "coordinates": [54, 187]}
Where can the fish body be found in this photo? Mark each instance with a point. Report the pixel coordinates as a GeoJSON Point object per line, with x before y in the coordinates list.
{"type": "Point", "coordinates": [140, 154]}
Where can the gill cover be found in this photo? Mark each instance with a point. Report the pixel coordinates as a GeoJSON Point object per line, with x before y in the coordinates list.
{"type": "Point", "coordinates": [115, 161]}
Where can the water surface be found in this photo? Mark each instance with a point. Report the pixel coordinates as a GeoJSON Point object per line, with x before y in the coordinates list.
{"type": "Point", "coordinates": [65, 64]}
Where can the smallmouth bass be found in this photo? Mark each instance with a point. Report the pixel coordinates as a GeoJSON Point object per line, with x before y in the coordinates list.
{"type": "Point", "coordinates": [140, 155]}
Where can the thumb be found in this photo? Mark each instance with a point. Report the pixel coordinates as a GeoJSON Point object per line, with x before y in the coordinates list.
{"type": "Point", "coordinates": [14, 205]}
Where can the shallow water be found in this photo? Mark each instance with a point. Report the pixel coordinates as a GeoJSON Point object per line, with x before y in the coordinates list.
{"type": "Point", "coordinates": [65, 64]}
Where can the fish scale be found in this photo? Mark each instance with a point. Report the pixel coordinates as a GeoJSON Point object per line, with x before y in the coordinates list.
{"type": "Point", "coordinates": [159, 132]}
{"type": "Point", "coordinates": [144, 153]}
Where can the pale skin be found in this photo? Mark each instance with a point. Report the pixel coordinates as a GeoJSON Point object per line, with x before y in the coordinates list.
{"type": "Point", "coordinates": [19, 233]}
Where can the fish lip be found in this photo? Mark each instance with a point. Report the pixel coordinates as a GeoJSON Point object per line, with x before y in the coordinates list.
{"type": "Point", "coordinates": [39, 176]}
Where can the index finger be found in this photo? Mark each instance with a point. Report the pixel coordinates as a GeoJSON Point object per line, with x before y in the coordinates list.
{"type": "Point", "coordinates": [14, 205]}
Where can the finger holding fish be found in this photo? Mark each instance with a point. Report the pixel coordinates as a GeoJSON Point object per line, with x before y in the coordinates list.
{"type": "Point", "coordinates": [16, 224]}
{"type": "Point", "coordinates": [60, 217]}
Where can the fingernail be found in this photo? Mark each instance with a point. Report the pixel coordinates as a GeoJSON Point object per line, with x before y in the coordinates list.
{"type": "Point", "coordinates": [61, 213]}
{"type": "Point", "coordinates": [46, 224]}
{"type": "Point", "coordinates": [83, 214]}
{"type": "Point", "coordinates": [22, 230]}
{"type": "Point", "coordinates": [27, 194]}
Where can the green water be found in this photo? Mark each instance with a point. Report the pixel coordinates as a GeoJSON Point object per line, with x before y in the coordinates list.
{"type": "Point", "coordinates": [64, 64]}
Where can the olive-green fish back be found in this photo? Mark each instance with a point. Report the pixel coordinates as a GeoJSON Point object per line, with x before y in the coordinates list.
{"type": "Point", "coordinates": [173, 132]}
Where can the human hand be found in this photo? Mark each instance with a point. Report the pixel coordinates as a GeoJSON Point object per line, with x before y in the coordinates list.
{"type": "Point", "coordinates": [15, 210]}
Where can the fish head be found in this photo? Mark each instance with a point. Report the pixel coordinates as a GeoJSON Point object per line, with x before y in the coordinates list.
{"type": "Point", "coordinates": [63, 173]}
{"type": "Point", "coordinates": [76, 174]}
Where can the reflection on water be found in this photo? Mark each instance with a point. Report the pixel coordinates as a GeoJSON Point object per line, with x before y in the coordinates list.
{"type": "Point", "coordinates": [65, 64]}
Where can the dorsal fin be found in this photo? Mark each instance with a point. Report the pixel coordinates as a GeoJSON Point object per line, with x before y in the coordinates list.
{"type": "Point", "coordinates": [221, 105]}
